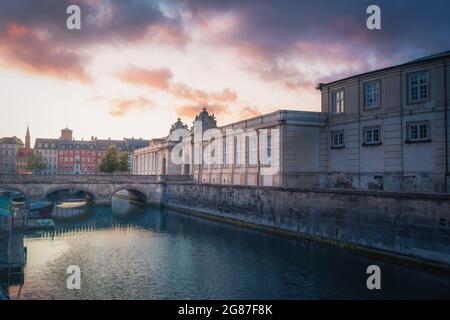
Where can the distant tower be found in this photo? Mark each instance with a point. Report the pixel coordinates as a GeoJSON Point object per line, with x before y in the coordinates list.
{"type": "Point", "coordinates": [28, 139]}
{"type": "Point", "coordinates": [66, 134]}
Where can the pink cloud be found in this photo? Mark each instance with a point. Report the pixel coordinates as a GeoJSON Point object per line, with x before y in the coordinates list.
{"type": "Point", "coordinates": [123, 106]}
{"type": "Point", "coordinates": [32, 51]}
{"type": "Point", "coordinates": [191, 110]}
{"type": "Point", "coordinates": [161, 79]}
{"type": "Point", "coordinates": [156, 78]}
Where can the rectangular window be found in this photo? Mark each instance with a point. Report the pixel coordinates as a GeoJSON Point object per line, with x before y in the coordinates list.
{"type": "Point", "coordinates": [418, 131]}
{"type": "Point", "coordinates": [225, 154]}
{"type": "Point", "coordinates": [418, 86]}
{"type": "Point", "coordinates": [252, 148]}
{"type": "Point", "coordinates": [237, 151]}
{"type": "Point", "coordinates": [372, 135]}
{"type": "Point", "coordinates": [372, 95]}
{"type": "Point", "coordinates": [269, 149]}
{"type": "Point", "coordinates": [337, 139]}
{"type": "Point", "coordinates": [337, 102]}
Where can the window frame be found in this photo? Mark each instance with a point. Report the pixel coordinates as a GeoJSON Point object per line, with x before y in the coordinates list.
{"type": "Point", "coordinates": [408, 82]}
{"type": "Point", "coordinates": [372, 143]}
{"type": "Point", "coordinates": [417, 124]}
{"type": "Point", "coordinates": [333, 109]}
{"type": "Point", "coordinates": [237, 151]}
{"type": "Point", "coordinates": [269, 148]}
{"type": "Point", "coordinates": [252, 150]}
{"type": "Point", "coordinates": [365, 84]}
{"type": "Point", "coordinates": [225, 153]}
{"type": "Point", "coordinates": [341, 145]}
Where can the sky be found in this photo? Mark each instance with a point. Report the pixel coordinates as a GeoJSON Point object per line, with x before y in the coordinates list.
{"type": "Point", "coordinates": [135, 66]}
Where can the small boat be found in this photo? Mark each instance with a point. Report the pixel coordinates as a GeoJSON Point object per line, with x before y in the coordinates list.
{"type": "Point", "coordinates": [17, 197]}
{"type": "Point", "coordinates": [44, 208]}
{"type": "Point", "coordinates": [72, 204]}
{"type": "Point", "coordinates": [41, 224]}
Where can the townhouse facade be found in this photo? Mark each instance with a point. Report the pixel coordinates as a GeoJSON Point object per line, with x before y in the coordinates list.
{"type": "Point", "coordinates": [64, 155]}
{"type": "Point", "coordinates": [77, 157]}
{"type": "Point", "coordinates": [49, 150]}
{"type": "Point", "coordinates": [9, 148]}
{"type": "Point", "coordinates": [386, 129]}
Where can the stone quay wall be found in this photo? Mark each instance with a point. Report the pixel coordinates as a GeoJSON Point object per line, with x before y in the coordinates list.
{"type": "Point", "coordinates": [413, 226]}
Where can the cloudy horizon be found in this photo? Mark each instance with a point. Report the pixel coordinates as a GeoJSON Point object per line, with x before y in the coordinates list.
{"type": "Point", "coordinates": [138, 65]}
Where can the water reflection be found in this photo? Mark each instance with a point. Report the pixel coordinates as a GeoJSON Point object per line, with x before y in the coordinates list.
{"type": "Point", "coordinates": [127, 251]}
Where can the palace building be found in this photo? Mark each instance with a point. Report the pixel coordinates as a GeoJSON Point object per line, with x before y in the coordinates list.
{"type": "Point", "coordinates": [386, 129]}
{"type": "Point", "coordinates": [389, 129]}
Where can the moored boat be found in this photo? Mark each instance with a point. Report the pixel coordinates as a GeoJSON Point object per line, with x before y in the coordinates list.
{"type": "Point", "coordinates": [72, 205]}
{"type": "Point", "coordinates": [44, 208]}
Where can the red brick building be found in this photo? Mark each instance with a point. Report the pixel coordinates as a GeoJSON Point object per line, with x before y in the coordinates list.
{"type": "Point", "coordinates": [76, 156]}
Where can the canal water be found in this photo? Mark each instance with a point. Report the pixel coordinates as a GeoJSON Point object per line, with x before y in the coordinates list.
{"type": "Point", "coordinates": [127, 251]}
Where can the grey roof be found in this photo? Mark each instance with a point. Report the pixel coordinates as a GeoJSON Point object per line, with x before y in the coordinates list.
{"type": "Point", "coordinates": [38, 141]}
{"type": "Point", "coordinates": [132, 144]}
{"type": "Point", "coordinates": [436, 56]}
{"type": "Point", "coordinates": [103, 145]}
{"type": "Point", "coordinates": [76, 144]}
{"type": "Point", "coordinates": [11, 140]}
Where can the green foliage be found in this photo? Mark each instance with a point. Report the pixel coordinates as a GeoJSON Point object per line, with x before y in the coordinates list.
{"type": "Point", "coordinates": [36, 163]}
{"type": "Point", "coordinates": [114, 161]}
{"type": "Point", "coordinates": [110, 162]}
{"type": "Point", "coordinates": [123, 162]}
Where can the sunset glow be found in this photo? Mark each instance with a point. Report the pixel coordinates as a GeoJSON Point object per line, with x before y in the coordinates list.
{"type": "Point", "coordinates": [137, 65]}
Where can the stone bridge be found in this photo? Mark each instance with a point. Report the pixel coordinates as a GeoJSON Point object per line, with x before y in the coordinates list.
{"type": "Point", "coordinates": [99, 188]}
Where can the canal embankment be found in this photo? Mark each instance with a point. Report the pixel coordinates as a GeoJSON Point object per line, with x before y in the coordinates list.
{"type": "Point", "coordinates": [411, 227]}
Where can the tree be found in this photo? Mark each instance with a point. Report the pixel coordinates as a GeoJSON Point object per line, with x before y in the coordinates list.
{"type": "Point", "coordinates": [110, 162]}
{"type": "Point", "coordinates": [37, 163]}
{"type": "Point", "coordinates": [123, 162]}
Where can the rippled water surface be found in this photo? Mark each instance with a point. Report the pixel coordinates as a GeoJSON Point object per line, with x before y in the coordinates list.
{"type": "Point", "coordinates": [132, 252]}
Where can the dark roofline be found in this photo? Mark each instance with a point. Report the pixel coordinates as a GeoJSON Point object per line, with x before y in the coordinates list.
{"type": "Point", "coordinates": [13, 138]}
{"type": "Point", "coordinates": [436, 56]}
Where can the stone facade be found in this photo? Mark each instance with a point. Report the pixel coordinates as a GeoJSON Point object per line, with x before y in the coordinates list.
{"type": "Point", "coordinates": [415, 226]}
{"type": "Point", "coordinates": [99, 188]}
{"type": "Point", "coordinates": [385, 130]}
{"type": "Point", "coordinates": [275, 149]}
{"type": "Point", "coordinates": [156, 158]}
{"type": "Point", "coordinates": [395, 128]}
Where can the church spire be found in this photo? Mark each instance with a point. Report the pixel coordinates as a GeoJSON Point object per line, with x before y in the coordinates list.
{"type": "Point", "coordinates": [28, 138]}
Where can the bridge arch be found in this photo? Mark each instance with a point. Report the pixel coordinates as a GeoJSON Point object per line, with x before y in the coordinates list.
{"type": "Point", "coordinates": [136, 192]}
{"type": "Point", "coordinates": [92, 195]}
{"type": "Point", "coordinates": [15, 188]}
